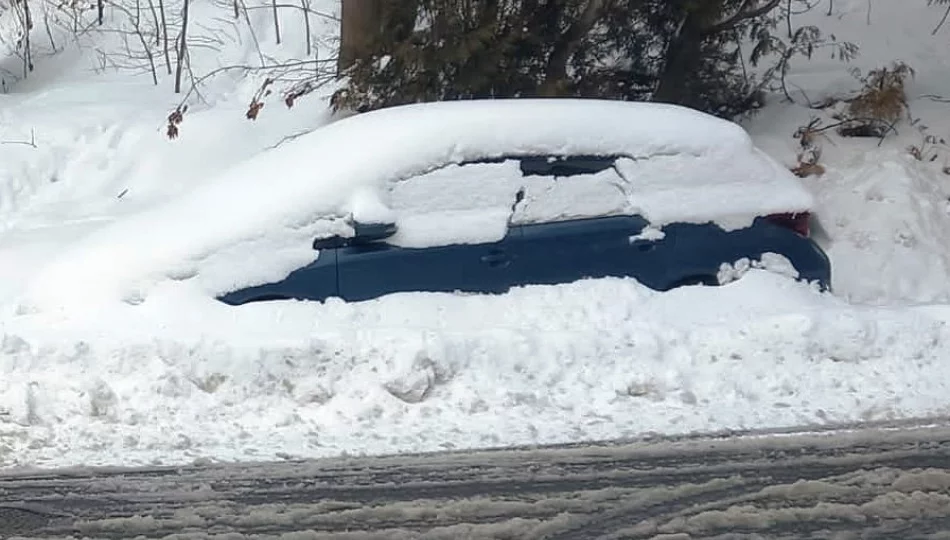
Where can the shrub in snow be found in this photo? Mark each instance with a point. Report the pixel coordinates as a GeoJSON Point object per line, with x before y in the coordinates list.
{"type": "Point", "coordinates": [929, 149]}
{"type": "Point", "coordinates": [880, 104]}
{"type": "Point", "coordinates": [810, 154]}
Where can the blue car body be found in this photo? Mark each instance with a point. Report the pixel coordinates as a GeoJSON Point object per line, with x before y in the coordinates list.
{"type": "Point", "coordinates": [563, 251]}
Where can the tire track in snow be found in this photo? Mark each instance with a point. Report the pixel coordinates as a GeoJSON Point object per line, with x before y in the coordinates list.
{"type": "Point", "coordinates": [872, 482]}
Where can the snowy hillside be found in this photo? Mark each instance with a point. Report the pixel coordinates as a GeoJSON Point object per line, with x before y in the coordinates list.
{"type": "Point", "coordinates": [179, 377]}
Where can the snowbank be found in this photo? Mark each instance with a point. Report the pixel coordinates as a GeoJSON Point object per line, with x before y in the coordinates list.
{"type": "Point", "coordinates": [888, 215]}
{"type": "Point", "coordinates": [591, 360]}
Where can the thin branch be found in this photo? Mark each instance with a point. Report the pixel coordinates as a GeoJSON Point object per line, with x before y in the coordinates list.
{"type": "Point", "coordinates": [310, 10]}
{"type": "Point", "coordinates": [31, 142]}
{"type": "Point", "coordinates": [250, 28]}
{"type": "Point", "coordinates": [305, 6]}
{"type": "Point", "coordinates": [788, 19]}
{"type": "Point", "coordinates": [942, 20]}
{"type": "Point", "coordinates": [291, 137]}
{"type": "Point", "coordinates": [251, 69]}
{"type": "Point", "coordinates": [49, 31]}
{"type": "Point", "coordinates": [182, 45]}
{"type": "Point", "coordinates": [168, 61]}
{"type": "Point", "coordinates": [745, 12]}
{"type": "Point", "coordinates": [890, 126]}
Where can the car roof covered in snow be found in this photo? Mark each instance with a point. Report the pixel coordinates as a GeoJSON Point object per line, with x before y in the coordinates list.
{"type": "Point", "coordinates": [685, 166]}
{"type": "Point", "coordinates": [479, 128]}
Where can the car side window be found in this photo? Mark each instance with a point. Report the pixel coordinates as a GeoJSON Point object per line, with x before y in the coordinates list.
{"type": "Point", "coordinates": [457, 204]}
{"type": "Point", "coordinates": [576, 188]}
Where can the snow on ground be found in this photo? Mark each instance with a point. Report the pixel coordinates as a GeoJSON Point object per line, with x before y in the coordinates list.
{"type": "Point", "coordinates": [176, 378]}
{"type": "Point", "coordinates": [594, 359]}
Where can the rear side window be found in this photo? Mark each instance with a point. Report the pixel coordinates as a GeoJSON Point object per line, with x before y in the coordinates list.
{"type": "Point", "coordinates": [565, 166]}
{"type": "Point", "coordinates": [576, 187]}
{"type": "Point", "coordinates": [457, 204]}
{"type": "Point", "coordinates": [469, 186]}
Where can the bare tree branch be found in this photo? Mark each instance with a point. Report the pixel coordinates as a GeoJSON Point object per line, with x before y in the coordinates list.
{"type": "Point", "coordinates": [31, 142]}
{"type": "Point", "coordinates": [942, 20]}
{"type": "Point", "coordinates": [750, 9]}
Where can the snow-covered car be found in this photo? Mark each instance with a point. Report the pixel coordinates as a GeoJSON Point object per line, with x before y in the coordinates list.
{"type": "Point", "coordinates": [475, 196]}
{"type": "Point", "coordinates": [667, 215]}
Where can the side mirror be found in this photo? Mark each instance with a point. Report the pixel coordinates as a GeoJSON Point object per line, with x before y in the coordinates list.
{"type": "Point", "coordinates": [363, 233]}
{"type": "Point", "coordinates": [331, 242]}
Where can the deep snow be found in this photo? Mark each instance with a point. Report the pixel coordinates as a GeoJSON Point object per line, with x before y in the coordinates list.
{"type": "Point", "coordinates": [176, 378]}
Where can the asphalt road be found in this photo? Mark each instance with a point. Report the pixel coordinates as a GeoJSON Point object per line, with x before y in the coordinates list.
{"type": "Point", "coordinates": [887, 482]}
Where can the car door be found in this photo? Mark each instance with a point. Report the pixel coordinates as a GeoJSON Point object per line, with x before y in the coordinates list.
{"type": "Point", "coordinates": [566, 251]}
{"type": "Point", "coordinates": [576, 223]}
{"type": "Point", "coordinates": [453, 235]}
{"type": "Point", "coordinates": [373, 270]}
{"type": "Point", "coordinates": [316, 281]}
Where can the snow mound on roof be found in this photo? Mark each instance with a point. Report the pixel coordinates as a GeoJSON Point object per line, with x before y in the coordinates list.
{"type": "Point", "coordinates": [336, 170]}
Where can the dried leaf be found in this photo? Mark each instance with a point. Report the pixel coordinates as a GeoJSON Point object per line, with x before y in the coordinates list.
{"type": "Point", "coordinates": [254, 109]}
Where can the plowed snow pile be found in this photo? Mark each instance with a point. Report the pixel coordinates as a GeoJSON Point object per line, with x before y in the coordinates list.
{"type": "Point", "coordinates": [178, 378]}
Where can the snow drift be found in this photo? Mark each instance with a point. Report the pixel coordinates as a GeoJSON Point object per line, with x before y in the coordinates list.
{"type": "Point", "coordinates": [595, 359]}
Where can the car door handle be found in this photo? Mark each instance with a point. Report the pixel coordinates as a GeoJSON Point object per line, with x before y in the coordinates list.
{"type": "Point", "coordinates": [496, 259]}
{"type": "Point", "coordinates": [644, 245]}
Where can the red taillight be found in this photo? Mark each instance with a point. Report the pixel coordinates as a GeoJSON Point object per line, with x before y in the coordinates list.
{"type": "Point", "coordinates": [797, 222]}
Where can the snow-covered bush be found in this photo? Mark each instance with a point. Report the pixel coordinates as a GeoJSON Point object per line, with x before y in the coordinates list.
{"type": "Point", "coordinates": [881, 103]}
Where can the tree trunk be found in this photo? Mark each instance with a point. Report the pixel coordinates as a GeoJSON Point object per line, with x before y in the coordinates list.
{"type": "Point", "coordinates": [555, 77]}
{"type": "Point", "coordinates": [358, 26]}
{"type": "Point", "coordinates": [684, 51]}
{"type": "Point", "coordinates": [28, 51]}
{"type": "Point", "coordinates": [681, 55]}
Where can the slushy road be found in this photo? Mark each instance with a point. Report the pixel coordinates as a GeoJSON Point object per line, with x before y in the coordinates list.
{"type": "Point", "coordinates": [885, 481]}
